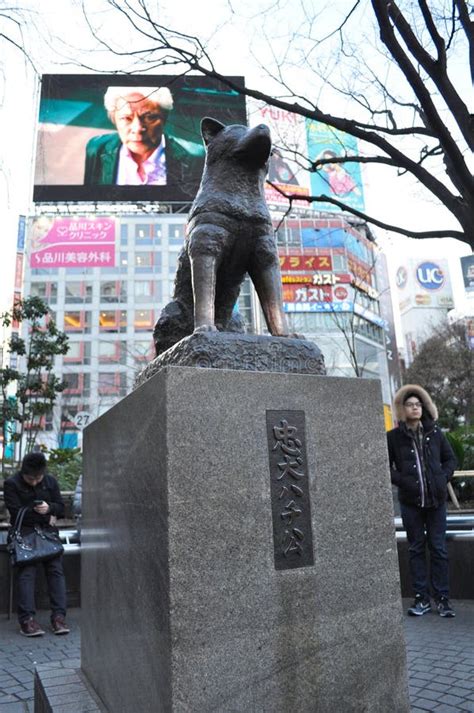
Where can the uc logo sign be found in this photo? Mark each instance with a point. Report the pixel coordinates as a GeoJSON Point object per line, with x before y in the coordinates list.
{"type": "Point", "coordinates": [430, 275]}
{"type": "Point", "coordinates": [401, 277]}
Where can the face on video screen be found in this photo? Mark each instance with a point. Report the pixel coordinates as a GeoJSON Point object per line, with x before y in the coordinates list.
{"type": "Point", "coordinates": [127, 138]}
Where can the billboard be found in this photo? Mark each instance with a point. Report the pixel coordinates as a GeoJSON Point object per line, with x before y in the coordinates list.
{"type": "Point", "coordinates": [72, 242]}
{"type": "Point", "coordinates": [424, 283]}
{"type": "Point", "coordinates": [467, 267]}
{"type": "Point", "coordinates": [285, 171]}
{"type": "Point", "coordinates": [342, 181]}
{"type": "Point", "coordinates": [146, 147]}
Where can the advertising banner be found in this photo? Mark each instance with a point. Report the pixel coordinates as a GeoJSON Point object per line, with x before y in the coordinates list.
{"type": "Point", "coordinates": [318, 306]}
{"type": "Point", "coordinates": [424, 283]}
{"type": "Point", "coordinates": [286, 171]}
{"type": "Point", "coordinates": [303, 263]}
{"type": "Point", "coordinates": [386, 312]}
{"type": "Point", "coordinates": [467, 267]}
{"type": "Point", "coordinates": [318, 298]}
{"type": "Point", "coordinates": [20, 239]}
{"type": "Point", "coordinates": [72, 242]}
{"type": "Point", "coordinates": [19, 271]}
{"type": "Point", "coordinates": [127, 137]}
{"type": "Point", "coordinates": [342, 181]}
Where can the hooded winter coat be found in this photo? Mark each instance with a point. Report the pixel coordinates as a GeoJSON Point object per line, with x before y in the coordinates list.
{"type": "Point", "coordinates": [421, 477]}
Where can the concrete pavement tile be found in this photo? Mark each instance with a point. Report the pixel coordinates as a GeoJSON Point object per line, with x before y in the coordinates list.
{"type": "Point", "coordinates": [12, 690]}
{"type": "Point", "coordinates": [461, 692]}
{"type": "Point", "coordinates": [443, 687]}
{"type": "Point", "coordinates": [446, 708]}
{"type": "Point", "coordinates": [450, 699]}
{"type": "Point", "coordinates": [429, 694]}
{"type": "Point", "coordinates": [26, 695]}
{"type": "Point", "coordinates": [425, 704]}
{"type": "Point", "coordinates": [424, 675]}
{"type": "Point", "coordinates": [15, 707]}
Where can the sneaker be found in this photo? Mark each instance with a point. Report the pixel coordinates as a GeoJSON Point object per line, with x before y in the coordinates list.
{"type": "Point", "coordinates": [30, 627]}
{"type": "Point", "coordinates": [420, 606]}
{"type": "Point", "coordinates": [58, 625]}
{"type": "Point", "coordinates": [444, 607]}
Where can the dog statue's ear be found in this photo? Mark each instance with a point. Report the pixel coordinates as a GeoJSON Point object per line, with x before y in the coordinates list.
{"type": "Point", "coordinates": [210, 128]}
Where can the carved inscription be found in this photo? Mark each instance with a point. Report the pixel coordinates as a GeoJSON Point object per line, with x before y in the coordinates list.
{"type": "Point", "coordinates": [289, 489]}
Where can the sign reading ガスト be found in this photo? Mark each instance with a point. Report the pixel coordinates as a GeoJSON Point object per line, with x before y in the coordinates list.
{"type": "Point", "coordinates": [72, 242]}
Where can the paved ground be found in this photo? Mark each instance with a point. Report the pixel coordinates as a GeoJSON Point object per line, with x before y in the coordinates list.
{"type": "Point", "coordinates": [440, 660]}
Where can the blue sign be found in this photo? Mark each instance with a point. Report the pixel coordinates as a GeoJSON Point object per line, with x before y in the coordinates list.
{"type": "Point", "coordinates": [20, 240]}
{"type": "Point", "coordinates": [430, 276]}
{"type": "Point", "coordinates": [318, 306]}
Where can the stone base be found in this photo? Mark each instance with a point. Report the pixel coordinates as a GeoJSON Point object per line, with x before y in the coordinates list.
{"type": "Point", "coordinates": [184, 607]}
{"type": "Point", "coordinates": [245, 352]}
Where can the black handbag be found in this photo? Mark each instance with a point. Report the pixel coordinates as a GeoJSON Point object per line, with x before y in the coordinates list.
{"type": "Point", "coordinates": [37, 546]}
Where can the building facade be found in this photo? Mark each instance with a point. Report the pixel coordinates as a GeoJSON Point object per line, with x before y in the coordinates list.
{"type": "Point", "coordinates": [106, 279]}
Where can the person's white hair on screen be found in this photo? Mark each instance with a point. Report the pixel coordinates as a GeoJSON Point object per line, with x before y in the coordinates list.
{"type": "Point", "coordinates": [158, 95]}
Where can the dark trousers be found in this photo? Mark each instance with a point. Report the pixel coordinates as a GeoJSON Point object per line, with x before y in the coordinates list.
{"type": "Point", "coordinates": [427, 527]}
{"type": "Point", "coordinates": [26, 578]}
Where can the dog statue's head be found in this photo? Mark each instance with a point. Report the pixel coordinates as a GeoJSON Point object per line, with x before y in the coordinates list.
{"type": "Point", "coordinates": [236, 142]}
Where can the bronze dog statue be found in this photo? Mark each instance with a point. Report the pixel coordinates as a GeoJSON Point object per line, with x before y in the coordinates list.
{"type": "Point", "coordinates": [229, 234]}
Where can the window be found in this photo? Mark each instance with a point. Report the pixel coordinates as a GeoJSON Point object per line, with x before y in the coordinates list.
{"type": "Point", "coordinates": [158, 292]}
{"type": "Point", "coordinates": [112, 321]}
{"type": "Point", "coordinates": [44, 271]}
{"type": "Point", "coordinates": [144, 261]}
{"type": "Point", "coordinates": [113, 291]}
{"type": "Point", "coordinates": [172, 262]}
{"type": "Point", "coordinates": [78, 292]}
{"type": "Point", "coordinates": [77, 322]}
{"type": "Point", "coordinates": [112, 351]}
{"type": "Point", "coordinates": [47, 291]}
{"type": "Point", "coordinates": [112, 382]}
{"type": "Point", "coordinates": [72, 381]}
{"type": "Point", "coordinates": [339, 262]}
{"type": "Point", "coordinates": [123, 234]}
{"type": "Point", "coordinates": [77, 384]}
{"type": "Point", "coordinates": [176, 234]}
{"type": "Point", "coordinates": [143, 319]}
{"type": "Point", "coordinates": [143, 291]}
{"type": "Point", "coordinates": [78, 270]}
{"type": "Point", "coordinates": [144, 234]}
{"type": "Point", "coordinates": [143, 350]}
{"type": "Point", "coordinates": [78, 353]}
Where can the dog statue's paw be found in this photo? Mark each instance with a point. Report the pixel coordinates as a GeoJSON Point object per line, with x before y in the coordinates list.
{"type": "Point", "coordinates": [205, 328]}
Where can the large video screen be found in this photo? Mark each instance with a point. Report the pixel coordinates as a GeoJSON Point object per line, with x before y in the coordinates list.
{"type": "Point", "coordinates": [126, 138]}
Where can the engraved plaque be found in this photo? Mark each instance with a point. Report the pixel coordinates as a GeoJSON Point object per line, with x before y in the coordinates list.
{"type": "Point", "coordinates": [289, 489]}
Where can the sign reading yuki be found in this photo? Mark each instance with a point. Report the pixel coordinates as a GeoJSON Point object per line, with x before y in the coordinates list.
{"type": "Point", "coordinates": [342, 181]}
{"type": "Point", "coordinates": [72, 242]}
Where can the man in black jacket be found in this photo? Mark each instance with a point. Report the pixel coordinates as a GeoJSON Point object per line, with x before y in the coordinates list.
{"type": "Point", "coordinates": [33, 488]}
{"type": "Point", "coordinates": [421, 463]}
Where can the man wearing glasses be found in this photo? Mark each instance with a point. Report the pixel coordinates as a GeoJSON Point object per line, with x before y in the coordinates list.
{"type": "Point", "coordinates": [421, 463]}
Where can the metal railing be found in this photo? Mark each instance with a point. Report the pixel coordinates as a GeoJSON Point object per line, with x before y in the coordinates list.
{"type": "Point", "coordinates": [459, 527]}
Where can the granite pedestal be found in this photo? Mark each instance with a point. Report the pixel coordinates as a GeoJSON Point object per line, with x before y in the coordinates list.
{"type": "Point", "coordinates": [184, 609]}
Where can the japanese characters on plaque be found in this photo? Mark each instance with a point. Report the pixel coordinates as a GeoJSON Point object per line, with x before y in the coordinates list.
{"type": "Point", "coordinates": [289, 489]}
